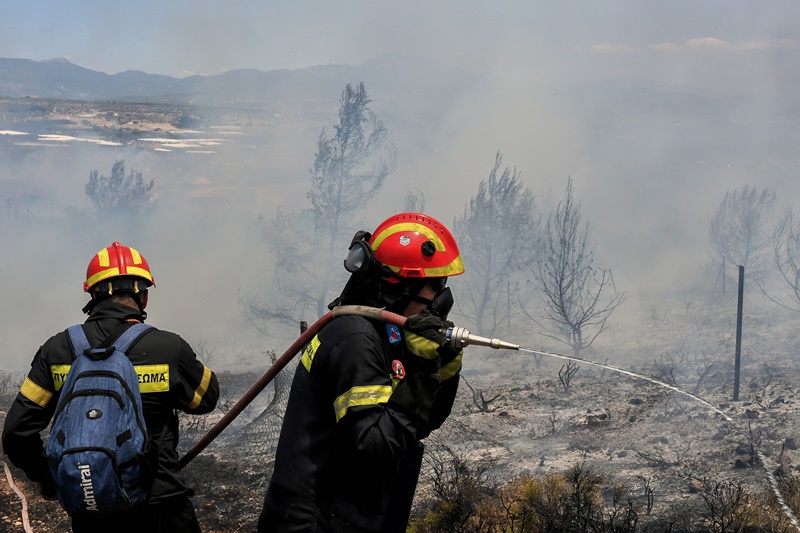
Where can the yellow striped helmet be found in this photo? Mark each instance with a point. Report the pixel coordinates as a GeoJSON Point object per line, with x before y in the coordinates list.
{"type": "Point", "coordinates": [414, 245]}
{"type": "Point", "coordinates": [118, 261]}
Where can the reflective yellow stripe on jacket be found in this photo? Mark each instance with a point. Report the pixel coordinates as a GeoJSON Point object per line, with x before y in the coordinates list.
{"type": "Point", "coordinates": [363, 395]}
{"type": "Point", "coordinates": [202, 388]}
{"type": "Point", "coordinates": [35, 393]}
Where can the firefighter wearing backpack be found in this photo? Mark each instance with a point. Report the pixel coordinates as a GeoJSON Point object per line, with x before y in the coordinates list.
{"type": "Point", "coordinates": [365, 392]}
{"type": "Point", "coordinates": [170, 378]}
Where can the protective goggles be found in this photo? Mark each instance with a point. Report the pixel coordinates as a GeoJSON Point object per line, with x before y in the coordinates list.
{"type": "Point", "coordinates": [360, 258]}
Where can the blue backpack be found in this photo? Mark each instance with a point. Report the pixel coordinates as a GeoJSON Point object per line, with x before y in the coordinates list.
{"type": "Point", "coordinates": [99, 450]}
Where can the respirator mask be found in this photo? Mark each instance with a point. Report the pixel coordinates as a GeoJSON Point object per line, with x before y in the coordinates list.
{"type": "Point", "coordinates": [442, 303]}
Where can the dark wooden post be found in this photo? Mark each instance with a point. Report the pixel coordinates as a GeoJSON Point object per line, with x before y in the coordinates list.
{"type": "Point", "coordinates": [738, 336]}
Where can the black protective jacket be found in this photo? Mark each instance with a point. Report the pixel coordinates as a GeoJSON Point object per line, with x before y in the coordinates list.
{"type": "Point", "coordinates": [349, 423]}
{"type": "Point", "coordinates": [170, 378]}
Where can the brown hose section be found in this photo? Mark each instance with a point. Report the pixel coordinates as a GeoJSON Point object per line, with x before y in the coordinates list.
{"type": "Point", "coordinates": [372, 313]}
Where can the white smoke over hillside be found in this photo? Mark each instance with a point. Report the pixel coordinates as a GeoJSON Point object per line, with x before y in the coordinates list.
{"type": "Point", "coordinates": [654, 111]}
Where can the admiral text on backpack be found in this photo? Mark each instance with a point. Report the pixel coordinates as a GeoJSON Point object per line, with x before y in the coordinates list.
{"type": "Point", "coordinates": [99, 452]}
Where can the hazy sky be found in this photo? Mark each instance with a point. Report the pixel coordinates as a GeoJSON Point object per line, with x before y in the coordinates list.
{"type": "Point", "coordinates": [183, 37]}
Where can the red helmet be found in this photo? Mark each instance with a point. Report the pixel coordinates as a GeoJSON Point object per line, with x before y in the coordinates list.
{"type": "Point", "coordinates": [414, 245]}
{"type": "Point", "coordinates": [118, 261]}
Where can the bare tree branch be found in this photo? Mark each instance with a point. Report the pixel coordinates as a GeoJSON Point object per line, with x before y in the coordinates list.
{"type": "Point", "coordinates": [574, 289]}
{"type": "Point", "coordinates": [740, 231]}
{"type": "Point", "coordinates": [499, 231]}
{"type": "Point", "coordinates": [350, 167]}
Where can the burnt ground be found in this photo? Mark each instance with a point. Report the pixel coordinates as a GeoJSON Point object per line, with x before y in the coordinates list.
{"type": "Point", "coordinates": [518, 413]}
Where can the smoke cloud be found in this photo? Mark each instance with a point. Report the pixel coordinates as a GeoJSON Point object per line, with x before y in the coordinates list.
{"type": "Point", "coordinates": [655, 111]}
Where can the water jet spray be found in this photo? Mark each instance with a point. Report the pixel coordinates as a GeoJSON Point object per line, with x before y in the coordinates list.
{"type": "Point", "coordinates": [773, 483]}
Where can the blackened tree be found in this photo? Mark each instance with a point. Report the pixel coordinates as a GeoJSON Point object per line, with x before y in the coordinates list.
{"type": "Point", "coordinates": [742, 232]}
{"type": "Point", "coordinates": [497, 235]}
{"type": "Point", "coordinates": [576, 293]}
{"type": "Point", "coordinates": [118, 193]}
{"type": "Point", "coordinates": [414, 202]}
{"type": "Point", "coordinates": [786, 258]}
{"type": "Point", "coordinates": [350, 167]}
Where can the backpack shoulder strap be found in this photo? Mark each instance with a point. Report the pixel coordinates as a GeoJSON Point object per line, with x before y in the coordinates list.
{"type": "Point", "coordinates": [80, 344]}
{"type": "Point", "coordinates": [124, 341]}
{"type": "Point", "coordinates": [78, 339]}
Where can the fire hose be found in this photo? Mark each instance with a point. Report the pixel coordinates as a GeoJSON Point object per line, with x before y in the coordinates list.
{"type": "Point", "coordinates": [458, 337]}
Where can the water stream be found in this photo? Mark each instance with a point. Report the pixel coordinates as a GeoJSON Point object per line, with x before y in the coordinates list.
{"type": "Point", "coordinates": [770, 476]}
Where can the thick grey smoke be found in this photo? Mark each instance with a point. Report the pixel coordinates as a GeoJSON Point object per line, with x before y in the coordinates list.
{"type": "Point", "coordinates": [655, 112]}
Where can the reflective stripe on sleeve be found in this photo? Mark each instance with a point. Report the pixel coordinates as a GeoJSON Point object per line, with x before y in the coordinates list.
{"type": "Point", "coordinates": [38, 395]}
{"type": "Point", "coordinates": [451, 369]}
{"type": "Point", "coordinates": [363, 395]}
{"type": "Point", "coordinates": [201, 390]}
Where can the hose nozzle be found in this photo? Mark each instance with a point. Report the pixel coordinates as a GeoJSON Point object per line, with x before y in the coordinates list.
{"type": "Point", "coordinates": [460, 337]}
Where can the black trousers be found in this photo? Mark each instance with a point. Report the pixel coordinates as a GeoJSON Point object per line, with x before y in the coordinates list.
{"type": "Point", "coordinates": [175, 515]}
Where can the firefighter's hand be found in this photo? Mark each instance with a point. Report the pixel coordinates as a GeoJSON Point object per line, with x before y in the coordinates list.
{"type": "Point", "coordinates": [424, 335]}
{"type": "Point", "coordinates": [47, 489]}
{"type": "Point", "coordinates": [425, 338]}
{"type": "Point", "coordinates": [451, 360]}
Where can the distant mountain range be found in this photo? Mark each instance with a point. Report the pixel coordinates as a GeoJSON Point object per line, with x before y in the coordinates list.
{"type": "Point", "coordinates": [58, 78]}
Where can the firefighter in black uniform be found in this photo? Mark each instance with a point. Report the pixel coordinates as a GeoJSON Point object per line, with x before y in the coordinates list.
{"type": "Point", "coordinates": [365, 393]}
{"type": "Point", "coordinates": [170, 378]}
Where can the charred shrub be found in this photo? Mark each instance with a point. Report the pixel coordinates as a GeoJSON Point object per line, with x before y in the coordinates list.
{"type": "Point", "coordinates": [727, 507]}
{"type": "Point", "coordinates": [463, 494]}
{"type": "Point", "coordinates": [572, 501]}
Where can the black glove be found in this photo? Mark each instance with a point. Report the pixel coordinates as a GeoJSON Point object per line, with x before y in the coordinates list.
{"type": "Point", "coordinates": [47, 489]}
{"type": "Point", "coordinates": [451, 359]}
{"type": "Point", "coordinates": [426, 339]}
{"type": "Point", "coordinates": [424, 336]}
{"type": "Point", "coordinates": [39, 474]}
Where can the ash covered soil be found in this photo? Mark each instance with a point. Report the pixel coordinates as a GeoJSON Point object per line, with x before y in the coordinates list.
{"type": "Point", "coordinates": [520, 413]}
